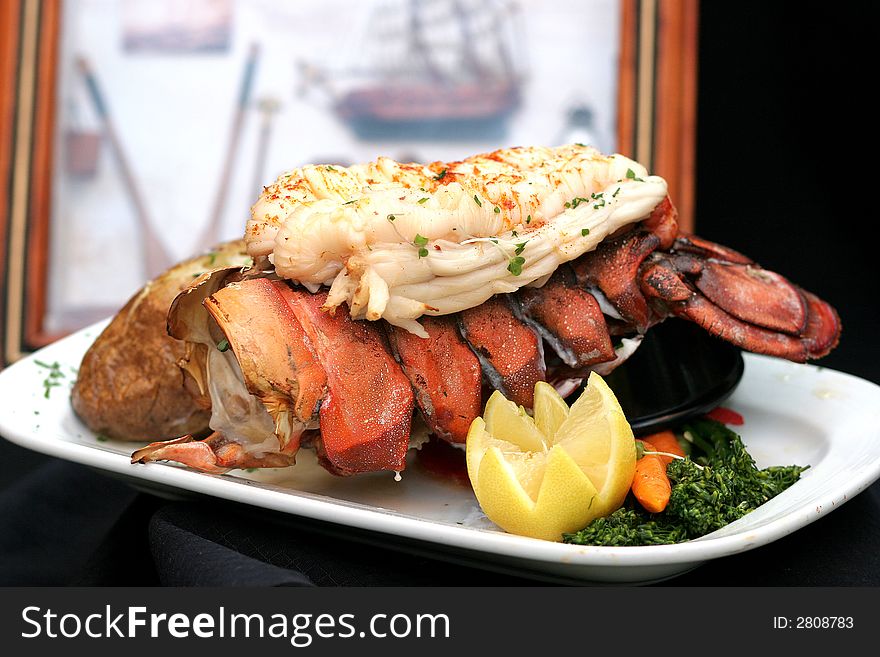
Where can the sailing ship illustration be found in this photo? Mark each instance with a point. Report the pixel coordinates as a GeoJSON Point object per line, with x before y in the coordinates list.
{"type": "Point", "coordinates": [430, 69]}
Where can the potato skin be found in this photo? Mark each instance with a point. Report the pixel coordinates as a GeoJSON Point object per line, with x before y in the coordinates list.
{"type": "Point", "coordinates": [129, 386]}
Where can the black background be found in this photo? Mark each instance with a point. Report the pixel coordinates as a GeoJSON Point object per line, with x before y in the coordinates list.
{"type": "Point", "coordinates": [786, 173]}
{"type": "Point", "coordinates": [786, 153]}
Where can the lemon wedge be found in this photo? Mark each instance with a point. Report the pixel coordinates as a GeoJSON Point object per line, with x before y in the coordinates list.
{"type": "Point", "coordinates": [556, 472]}
{"type": "Point", "coordinates": [550, 409]}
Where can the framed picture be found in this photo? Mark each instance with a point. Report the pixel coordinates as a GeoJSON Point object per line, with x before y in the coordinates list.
{"type": "Point", "coordinates": [134, 137]}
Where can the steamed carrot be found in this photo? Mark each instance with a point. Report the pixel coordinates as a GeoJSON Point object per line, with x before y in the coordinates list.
{"type": "Point", "coordinates": [650, 485]}
{"type": "Point", "coordinates": [665, 441]}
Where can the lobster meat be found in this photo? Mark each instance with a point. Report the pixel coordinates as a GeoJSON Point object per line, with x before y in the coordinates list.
{"type": "Point", "coordinates": [564, 259]}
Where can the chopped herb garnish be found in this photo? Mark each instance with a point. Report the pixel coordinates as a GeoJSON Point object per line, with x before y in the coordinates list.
{"type": "Point", "coordinates": [520, 247]}
{"type": "Point", "coordinates": [440, 175]}
{"type": "Point", "coordinates": [596, 196]}
{"type": "Point", "coordinates": [423, 252]}
{"type": "Point", "coordinates": [576, 201]}
{"type": "Point", "coordinates": [477, 200]}
{"type": "Point", "coordinates": [390, 217]}
{"type": "Point", "coordinates": [497, 210]}
{"type": "Point", "coordinates": [494, 240]}
{"type": "Point", "coordinates": [577, 143]}
{"type": "Point", "coordinates": [631, 175]}
{"type": "Point", "coordinates": [616, 192]}
{"type": "Point", "coordinates": [330, 168]}
{"type": "Point", "coordinates": [350, 202]}
{"type": "Point", "coordinates": [600, 204]}
{"type": "Point", "coordinates": [514, 233]}
{"type": "Point", "coordinates": [52, 378]}
{"type": "Point", "coordinates": [419, 240]}
{"type": "Point", "coordinates": [529, 219]}
{"type": "Point", "coordinates": [101, 438]}
{"type": "Point", "coordinates": [515, 265]}
{"type": "Point", "coordinates": [422, 200]}
{"type": "Point", "coordinates": [223, 345]}
{"type": "Point", "coordinates": [717, 484]}
{"type": "Point", "coordinates": [585, 232]}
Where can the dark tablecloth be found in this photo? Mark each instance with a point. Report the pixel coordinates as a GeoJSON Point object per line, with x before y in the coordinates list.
{"type": "Point", "coordinates": [66, 524]}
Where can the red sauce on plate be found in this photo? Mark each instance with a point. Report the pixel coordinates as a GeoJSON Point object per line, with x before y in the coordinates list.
{"type": "Point", "coordinates": [442, 460]}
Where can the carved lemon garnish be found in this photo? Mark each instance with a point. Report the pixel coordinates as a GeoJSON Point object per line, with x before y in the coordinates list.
{"type": "Point", "coordinates": [556, 472]}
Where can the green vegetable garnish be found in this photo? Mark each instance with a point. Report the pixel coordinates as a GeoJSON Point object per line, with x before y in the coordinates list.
{"type": "Point", "coordinates": [223, 345]}
{"type": "Point", "coordinates": [728, 486]}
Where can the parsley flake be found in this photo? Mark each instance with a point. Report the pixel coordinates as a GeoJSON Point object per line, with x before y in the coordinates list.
{"type": "Point", "coordinates": [420, 240]}
{"type": "Point", "coordinates": [631, 175]}
{"type": "Point", "coordinates": [585, 232]}
{"type": "Point", "coordinates": [477, 200]}
{"type": "Point", "coordinates": [515, 265]}
{"type": "Point", "coordinates": [223, 345]}
{"type": "Point", "coordinates": [53, 376]}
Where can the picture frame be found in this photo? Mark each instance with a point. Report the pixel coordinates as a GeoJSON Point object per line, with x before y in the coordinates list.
{"type": "Point", "coordinates": [656, 125]}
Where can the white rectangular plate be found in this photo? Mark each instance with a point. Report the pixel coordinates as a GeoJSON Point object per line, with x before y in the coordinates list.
{"type": "Point", "coordinates": [794, 414]}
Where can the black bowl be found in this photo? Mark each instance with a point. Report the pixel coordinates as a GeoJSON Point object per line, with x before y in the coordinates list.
{"type": "Point", "coordinates": [678, 372]}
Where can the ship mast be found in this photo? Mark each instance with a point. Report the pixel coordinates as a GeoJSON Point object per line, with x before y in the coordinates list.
{"type": "Point", "coordinates": [418, 46]}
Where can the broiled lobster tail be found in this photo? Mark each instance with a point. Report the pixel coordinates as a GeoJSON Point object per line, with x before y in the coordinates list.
{"type": "Point", "coordinates": [360, 381]}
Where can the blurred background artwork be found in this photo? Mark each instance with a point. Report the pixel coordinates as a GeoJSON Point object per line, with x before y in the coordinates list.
{"type": "Point", "coordinates": [171, 116]}
{"type": "Point", "coordinates": [176, 25]}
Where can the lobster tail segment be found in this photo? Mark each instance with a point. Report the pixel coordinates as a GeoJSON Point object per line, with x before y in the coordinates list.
{"type": "Point", "coordinates": [366, 415]}
{"type": "Point", "coordinates": [445, 375]}
{"type": "Point", "coordinates": [737, 300]}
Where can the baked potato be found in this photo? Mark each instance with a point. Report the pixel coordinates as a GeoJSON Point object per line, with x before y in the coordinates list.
{"type": "Point", "coordinates": [129, 386]}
